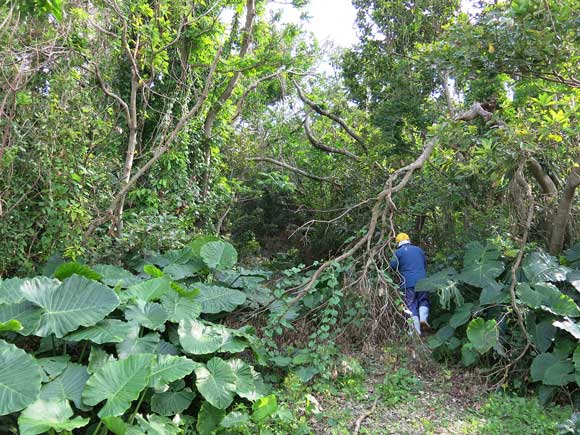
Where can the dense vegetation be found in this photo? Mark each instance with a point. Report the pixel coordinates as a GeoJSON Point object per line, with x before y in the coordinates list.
{"type": "Point", "coordinates": [140, 141]}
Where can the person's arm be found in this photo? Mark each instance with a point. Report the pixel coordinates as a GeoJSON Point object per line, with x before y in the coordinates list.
{"type": "Point", "coordinates": [394, 263]}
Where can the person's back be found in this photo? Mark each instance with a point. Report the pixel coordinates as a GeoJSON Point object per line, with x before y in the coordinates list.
{"type": "Point", "coordinates": [410, 262]}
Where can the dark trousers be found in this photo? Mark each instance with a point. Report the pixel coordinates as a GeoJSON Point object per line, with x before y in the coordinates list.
{"type": "Point", "coordinates": [414, 300]}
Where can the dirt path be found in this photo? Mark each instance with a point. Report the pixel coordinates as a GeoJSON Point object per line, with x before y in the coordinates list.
{"type": "Point", "coordinates": [399, 394]}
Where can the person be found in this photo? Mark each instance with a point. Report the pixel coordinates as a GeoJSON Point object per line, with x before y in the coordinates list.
{"type": "Point", "coordinates": [411, 264]}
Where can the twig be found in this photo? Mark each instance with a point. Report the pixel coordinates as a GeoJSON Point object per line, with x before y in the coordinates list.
{"type": "Point", "coordinates": [362, 417]}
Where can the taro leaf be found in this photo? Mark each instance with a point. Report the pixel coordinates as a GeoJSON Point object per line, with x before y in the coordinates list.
{"type": "Point", "coordinates": [197, 338]}
{"type": "Point", "coordinates": [11, 325]}
{"type": "Point", "coordinates": [10, 291]}
{"type": "Point", "coordinates": [541, 363]}
{"type": "Point", "coordinates": [468, 355]}
{"type": "Point", "coordinates": [233, 343]}
{"type": "Point", "coordinates": [148, 314]}
{"type": "Point", "coordinates": [179, 308]}
{"type": "Point", "coordinates": [118, 382]}
{"type": "Point", "coordinates": [493, 294]}
{"type": "Point", "coordinates": [67, 270]}
{"type": "Point", "coordinates": [209, 418]}
{"type": "Point", "coordinates": [245, 376]}
{"type": "Point", "coordinates": [445, 333]}
{"type": "Point", "coordinates": [115, 425]}
{"type": "Point", "coordinates": [78, 301]}
{"type": "Point", "coordinates": [442, 279]}
{"type": "Point", "coordinates": [573, 255]}
{"type": "Point", "coordinates": [150, 290]}
{"type": "Point", "coordinates": [19, 378]}
{"type": "Point", "coordinates": [529, 296]}
{"type": "Point", "coordinates": [569, 326]}
{"type": "Point", "coordinates": [197, 243]}
{"type": "Point", "coordinates": [42, 416]}
{"type": "Point", "coordinates": [98, 358]}
{"type": "Point", "coordinates": [182, 271]}
{"type": "Point", "coordinates": [166, 348]}
{"type": "Point", "coordinates": [461, 315]}
{"type": "Point", "coordinates": [545, 394]}
{"type": "Point", "coordinates": [483, 334]}
{"type": "Point", "coordinates": [556, 302]}
{"type": "Point", "coordinates": [573, 277]}
{"type": "Point", "coordinates": [481, 265]}
{"type": "Point", "coordinates": [52, 366]}
{"type": "Point", "coordinates": [155, 425]}
{"type": "Point", "coordinates": [153, 271]}
{"type": "Point", "coordinates": [68, 385]}
{"type": "Point", "coordinates": [135, 345]}
{"type": "Point", "coordinates": [169, 368]}
{"type": "Point", "coordinates": [216, 382]}
{"type": "Point", "coordinates": [235, 419]}
{"type": "Point", "coordinates": [264, 408]}
{"type": "Point", "coordinates": [114, 276]}
{"type": "Point", "coordinates": [105, 331]}
{"type": "Point", "coordinates": [219, 255]}
{"type": "Point", "coordinates": [170, 403]}
{"type": "Point", "coordinates": [214, 299]}
{"type": "Point", "coordinates": [179, 256]}
{"type": "Point", "coordinates": [541, 266]}
{"type": "Point", "coordinates": [24, 312]}
{"type": "Point", "coordinates": [542, 335]}
{"type": "Point", "coordinates": [576, 358]}
{"type": "Point", "coordinates": [559, 374]}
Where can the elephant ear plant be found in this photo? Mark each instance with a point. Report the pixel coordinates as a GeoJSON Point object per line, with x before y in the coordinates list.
{"type": "Point", "coordinates": [105, 350]}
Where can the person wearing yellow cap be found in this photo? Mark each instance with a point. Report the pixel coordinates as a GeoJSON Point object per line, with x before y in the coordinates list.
{"type": "Point", "coordinates": [411, 264]}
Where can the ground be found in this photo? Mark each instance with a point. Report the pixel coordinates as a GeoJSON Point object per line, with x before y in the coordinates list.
{"type": "Point", "coordinates": [403, 391]}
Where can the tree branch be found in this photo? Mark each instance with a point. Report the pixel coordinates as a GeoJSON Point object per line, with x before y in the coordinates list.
{"type": "Point", "coordinates": [335, 118]}
{"type": "Point", "coordinates": [292, 168]}
{"type": "Point", "coordinates": [317, 144]}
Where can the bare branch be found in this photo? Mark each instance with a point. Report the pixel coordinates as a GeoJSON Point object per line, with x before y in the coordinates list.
{"type": "Point", "coordinates": [475, 111]}
{"type": "Point", "coordinates": [251, 88]}
{"type": "Point", "coordinates": [291, 168]}
{"type": "Point", "coordinates": [326, 113]}
{"type": "Point", "coordinates": [317, 144]}
{"type": "Point", "coordinates": [548, 187]}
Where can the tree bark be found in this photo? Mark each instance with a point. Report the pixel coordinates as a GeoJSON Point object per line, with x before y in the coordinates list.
{"type": "Point", "coordinates": [548, 187]}
{"type": "Point", "coordinates": [562, 216]}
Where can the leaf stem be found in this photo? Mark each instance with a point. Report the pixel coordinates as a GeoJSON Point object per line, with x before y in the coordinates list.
{"type": "Point", "coordinates": [138, 406]}
{"type": "Point", "coordinates": [53, 345]}
{"type": "Point", "coordinates": [83, 350]}
{"type": "Point", "coordinates": [96, 431]}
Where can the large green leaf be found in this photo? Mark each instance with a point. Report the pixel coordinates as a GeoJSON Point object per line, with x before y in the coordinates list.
{"type": "Point", "coordinates": [209, 418]}
{"type": "Point", "coordinates": [541, 363]}
{"type": "Point", "coordinates": [573, 277]}
{"type": "Point", "coordinates": [182, 271]}
{"type": "Point", "coordinates": [148, 314]}
{"type": "Point", "coordinates": [170, 403]}
{"type": "Point", "coordinates": [569, 326]}
{"type": "Point", "coordinates": [235, 419]}
{"type": "Point", "coordinates": [216, 382]}
{"type": "Point", "coordinates": [559, 374]}
{"type": "Point", "coordinates": [134, 344]}
{"type": "Point", "coordinates": [169, 368]}
{"type": "Point", "coordinates": [11, 325]}
{"type": "Point", "coordinates": [483, 334]}
{"type": "Point", "coordinates": [264, 408]}
{"type": "Point", "coordinates": [198, 338]}
{"type": "Point", "coordinates": [541, 266]}
{"type": "Point", "coordinates": [119, 383]}
{"type": "Point", "coordinates": [20, 377]}
{"type": "Point", "coordinates": [154, 425]}
{"type": "Point", "coordinates": [248, 383]}
{"type": "Point", "coordinates": [461, 315]}
{"type": "Point", "coordinates": [179, 256]}
{"type": "Point", "coordinates": [105, 331]}
{"type": "Point", "coordinates": [44, 415]}
{"type": "Point", "coordinates": [150, 290]}
{"type": "Point", "coordinates": [549, 298]}
{"type": "Point", "coordinates": [25, 312]}
{"type": "Point", "coordinates": [78, 301]}
{"type": "Point", "coordinates": [66, 270]}
{"type": "Point", "coordinates": [573, 255]}
{"type": "Point", "coordinates": [98, 358]}
{"type": "Point", "coordinates": [10, 291]}
{"type": "Point", "coordinates": [481, 265]}
{"type": "Point", "coordinates": [197, 243]}
{"type": "Point", "coordinates": [219, 255]}
{"type": "Point", "coordinates": [68, 385]}
{"type": "Point", "coordinates": [542, 334]}
{"type": "Point", "coordinates": [180, 308]}
{"type": "Point", "coordinates": [114, 276]}
{"type": "Point", "coordinates": [215, 299]}
{"type": "Point", "coordinates": [442, 279]}
{"type": "Point", "coordinates": [52, 366]}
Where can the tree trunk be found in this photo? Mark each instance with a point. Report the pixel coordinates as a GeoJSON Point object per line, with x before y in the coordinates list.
{"type": "Point", "coordinates": [559, 224]}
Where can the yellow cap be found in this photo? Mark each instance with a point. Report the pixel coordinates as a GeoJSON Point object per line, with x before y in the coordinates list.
{"type": "Point", "coordinates": [401, 237]}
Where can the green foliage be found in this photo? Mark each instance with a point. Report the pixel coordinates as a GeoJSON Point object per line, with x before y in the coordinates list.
{"type": "Point", "coordinates": [399, 387]}
{"type": "Point", "coordinates": [152, 367]}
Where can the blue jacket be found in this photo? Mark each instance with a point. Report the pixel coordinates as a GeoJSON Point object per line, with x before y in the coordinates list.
{"type": "Point", "coordinates": [410, 262]}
